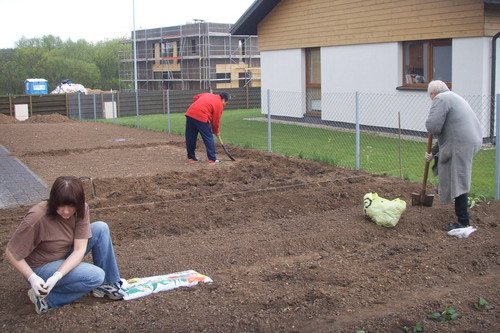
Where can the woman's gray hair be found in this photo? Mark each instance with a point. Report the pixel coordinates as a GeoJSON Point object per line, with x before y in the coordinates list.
{"type": "Point", "coordinates": [436, 87]}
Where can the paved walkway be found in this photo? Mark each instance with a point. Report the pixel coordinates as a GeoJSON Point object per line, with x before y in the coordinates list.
{"type": "Point", "coordinates": [18, 184]}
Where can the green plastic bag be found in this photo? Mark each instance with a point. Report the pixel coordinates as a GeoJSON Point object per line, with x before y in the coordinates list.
{"type": "Point", "coordinates": [382, 211]}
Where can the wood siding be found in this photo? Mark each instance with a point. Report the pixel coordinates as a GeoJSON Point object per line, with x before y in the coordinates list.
{"type": "Point", "coordinates": [314, 23]}
{"type": "Point", "coordinates": [491, 21]}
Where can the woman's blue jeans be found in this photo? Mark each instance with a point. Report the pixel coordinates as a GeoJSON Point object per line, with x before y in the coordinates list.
{"type": "Point", "coordinates": [85, 277]}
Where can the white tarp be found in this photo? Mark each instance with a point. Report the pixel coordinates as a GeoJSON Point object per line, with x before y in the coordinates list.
{"type": "Point", "coordinates": [140, 287]}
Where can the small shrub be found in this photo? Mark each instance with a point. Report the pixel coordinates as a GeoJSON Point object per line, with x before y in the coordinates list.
{"type": "Point", "coordinates": [483, 305]}
{"type": "Point", "coordinates": [448, 314]}
{"type": "Point", "coordinates": [475, 200]}
{"type": "Point", "coordinates": [414, 329]}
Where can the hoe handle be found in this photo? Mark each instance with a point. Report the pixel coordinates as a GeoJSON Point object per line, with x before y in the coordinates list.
{"type": "Point", "coordinates": [219, 138]}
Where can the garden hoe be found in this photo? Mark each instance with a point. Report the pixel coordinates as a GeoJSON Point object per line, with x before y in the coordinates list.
{"type": "Point", "coordinates": [423, 199]}
{"type": "Point", "coordinates": [224, 148]}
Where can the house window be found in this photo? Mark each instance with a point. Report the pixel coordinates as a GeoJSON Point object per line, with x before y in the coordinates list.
{"type": "Point", "coordinates": [425, 61]}
{"type": "Point", "coordinates": [313, 79]}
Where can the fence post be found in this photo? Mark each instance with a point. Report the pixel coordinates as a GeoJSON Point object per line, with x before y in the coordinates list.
{"type": "Point", "coordinates": [497, 153]}
{"type": "Point", "coordinates": [68, 114]}
{"type": "Point", "coordinates": [79, 107]}
{"type": "Point", "coordinates": [399, 147]}
{"type": "Point", "coordinates": [163, 100]}
{"type": "Point", "coordinates": [168, 110]}
{"type": "Point", "coordinates": [95, 111]}
{"type": "Point", "coordinates": [102, 105]}
{"type": "Point", "coordinates": [246, 95]}
{"type": "Point", "coordinates": [137, 108]}
{"type": "Point", "coordinates": [31, 106]}
{"type": "Point", "coordinates": [118, 106]}
{"type": "Point", "coordinates": [113, 105]}
{"type": "Point", "coordinates": [269, 121]}
{"type": "Point", "coordinates": [358, 143]}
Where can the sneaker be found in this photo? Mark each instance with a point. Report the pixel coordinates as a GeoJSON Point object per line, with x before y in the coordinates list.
{"type": "Point", "coordinates": [454, 225]}
{"type": "Point", "coordinates": [215, 162]}
{"type": "Point", "coordinates": [110, 290]}
{"type": "Point", "coordinates": [193, 160]}
{"type": "Point", "coordinates": [41, 305]}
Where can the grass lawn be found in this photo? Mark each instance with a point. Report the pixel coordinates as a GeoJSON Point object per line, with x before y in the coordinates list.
{"type": "Point", "coordinates": [377, 153]}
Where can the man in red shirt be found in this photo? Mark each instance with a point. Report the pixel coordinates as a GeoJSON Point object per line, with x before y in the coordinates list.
{"type": "Point", "coordinates": [203, 117]}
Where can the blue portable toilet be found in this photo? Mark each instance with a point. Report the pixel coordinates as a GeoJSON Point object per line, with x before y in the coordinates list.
{"type": "Point", "coordinates": [36, 86]}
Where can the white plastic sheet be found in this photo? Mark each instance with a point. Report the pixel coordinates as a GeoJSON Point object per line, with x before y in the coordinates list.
{"type": "Point", "coordinates": [462, 232]}
{"type": "Point", "coordinates": [140, 287]}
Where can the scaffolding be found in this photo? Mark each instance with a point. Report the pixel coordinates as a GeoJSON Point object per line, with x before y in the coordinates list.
{"type": "Point", "coordinates": [198, 55]}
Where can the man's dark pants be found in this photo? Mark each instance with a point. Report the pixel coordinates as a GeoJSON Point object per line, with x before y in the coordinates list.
{"type": "Point", "coordinates": [193, 127]}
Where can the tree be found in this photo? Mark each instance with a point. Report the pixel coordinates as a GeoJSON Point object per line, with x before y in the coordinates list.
{"type": "Point", "coordinates": [94, 66]}
{"type": "Point", "coordinates": [57, 69]}
{"type": "Point", "coordinates": [106, 57]}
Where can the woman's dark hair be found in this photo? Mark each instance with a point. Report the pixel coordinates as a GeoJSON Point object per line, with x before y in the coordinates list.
{"type": "Point", "coordinates": [66, 191]}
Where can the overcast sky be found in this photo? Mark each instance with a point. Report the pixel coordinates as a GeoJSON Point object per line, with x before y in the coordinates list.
{"type": "Point", "coordinates": [98, 20]}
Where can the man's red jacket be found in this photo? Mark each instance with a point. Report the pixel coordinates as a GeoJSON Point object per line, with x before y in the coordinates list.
{"type": "Point", "coordinates": [207, 107]}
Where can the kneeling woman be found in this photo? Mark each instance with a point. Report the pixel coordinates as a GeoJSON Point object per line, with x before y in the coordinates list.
{"type": "Point", "coordinates": [49, 245]}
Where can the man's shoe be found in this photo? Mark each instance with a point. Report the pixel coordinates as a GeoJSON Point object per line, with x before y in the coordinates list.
{"type": "Point", "coordinates": [110, 290]}
{"type": "Point", "coordinates": [193, 160]}
{"type": "Point", "coordinates": [454, 225]}
{"type": "Point", "coordinates": [41, 305]}
{"type": "Point", "coordinates": [215, 162]}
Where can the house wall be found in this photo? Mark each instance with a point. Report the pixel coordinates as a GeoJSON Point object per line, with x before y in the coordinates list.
{"type": "Point", "coordinates": [370, 68]}
{"type": "Point", "coordinates": [361, 51]}
{"type": "Point", "coordinates": [471, 66]}
{"type": "Point", "coordinates": [285, 77]}
{"type": "Point", "coordinates": [298, 24]}
{"type": "Point", "coordinates": [375, 71]}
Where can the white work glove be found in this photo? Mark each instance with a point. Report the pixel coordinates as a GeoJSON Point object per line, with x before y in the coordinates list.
{"type": "Point", "coordinates": [428, 157]}
{"type": "Point", "coordinates": [37, 284]}
{"type": "Point", "coordinates": [51, 281]}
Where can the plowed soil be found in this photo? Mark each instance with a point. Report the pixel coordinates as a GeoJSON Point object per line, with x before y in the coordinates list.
{"type": "Point", "coordinates": [284, 240]}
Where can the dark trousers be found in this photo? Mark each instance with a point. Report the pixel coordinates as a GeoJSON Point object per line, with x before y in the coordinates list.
{"type": "Point", "coordinates": [461, 204]}
{"type": "Point", "coordinates": [193, 127]}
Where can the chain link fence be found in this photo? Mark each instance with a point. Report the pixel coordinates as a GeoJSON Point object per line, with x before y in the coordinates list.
{"type": "Point", "coordinates": [379, 133]}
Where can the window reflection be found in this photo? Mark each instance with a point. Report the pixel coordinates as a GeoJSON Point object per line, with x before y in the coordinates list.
{"type": "Point", "coordinates": [427, 60]}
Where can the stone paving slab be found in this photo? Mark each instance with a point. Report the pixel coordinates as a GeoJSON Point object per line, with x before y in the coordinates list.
{"type": "Point", "coordinates": [18, 184]}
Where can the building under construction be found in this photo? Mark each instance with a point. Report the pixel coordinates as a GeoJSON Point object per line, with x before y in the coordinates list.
{"type": "Point", "coordinates": [198, 55]}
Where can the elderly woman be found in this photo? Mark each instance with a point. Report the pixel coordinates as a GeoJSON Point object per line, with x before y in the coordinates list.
{"type": "Point", "coordinates": [453, 122]}
{"type": "Point", "coordinates": [48, 247]}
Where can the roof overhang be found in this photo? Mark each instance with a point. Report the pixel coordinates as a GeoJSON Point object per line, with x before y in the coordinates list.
{"type": "Point", "coordinates": [248, 22]}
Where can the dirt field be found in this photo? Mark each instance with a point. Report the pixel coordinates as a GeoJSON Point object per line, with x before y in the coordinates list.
{"type": "Point", "coordinates": [284, 240]}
